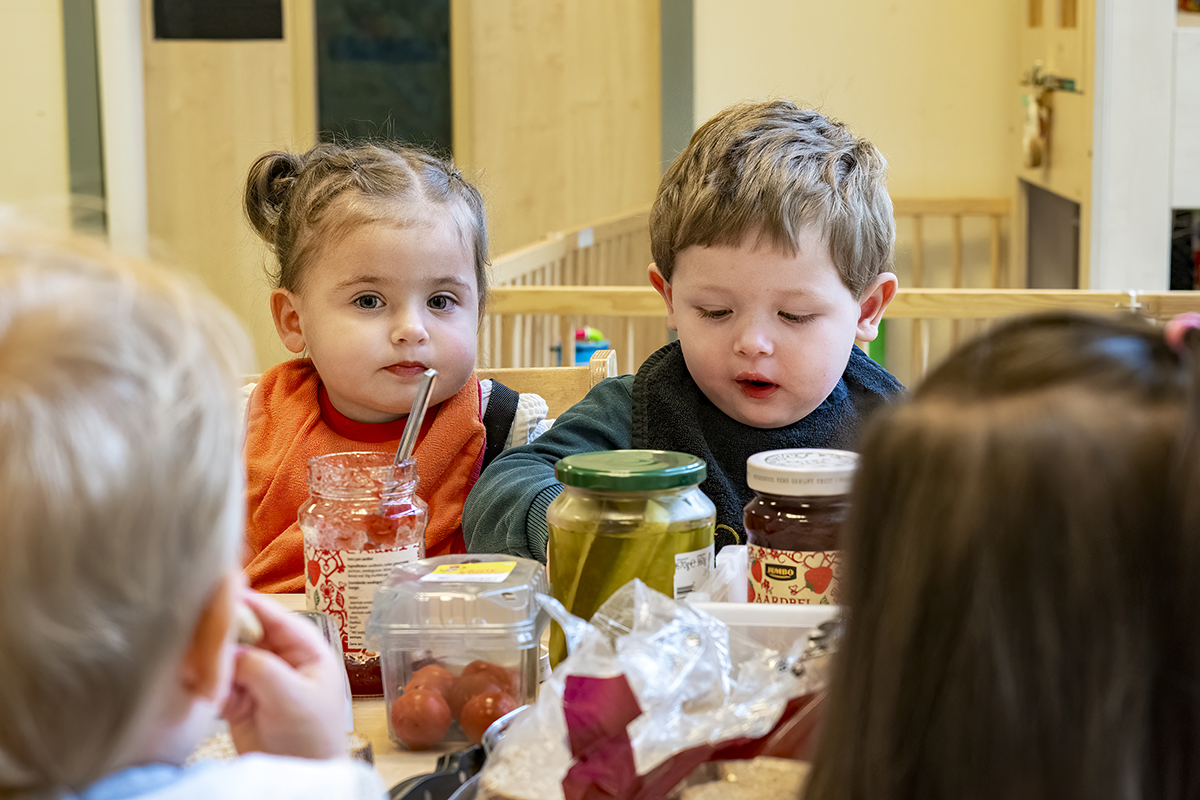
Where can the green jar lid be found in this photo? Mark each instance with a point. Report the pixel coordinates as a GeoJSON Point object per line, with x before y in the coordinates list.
{"type": "Point", "coordinates": [630, 470]}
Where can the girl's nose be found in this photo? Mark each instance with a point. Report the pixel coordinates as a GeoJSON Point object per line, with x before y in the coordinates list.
{"type": "Point", "coordinates": [408, 327]}
{"type": "Point", "coordinates": [752, 339]}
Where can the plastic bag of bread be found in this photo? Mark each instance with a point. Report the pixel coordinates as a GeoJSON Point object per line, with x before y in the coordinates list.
{"type": "Point", "coordinates": [651, 689]}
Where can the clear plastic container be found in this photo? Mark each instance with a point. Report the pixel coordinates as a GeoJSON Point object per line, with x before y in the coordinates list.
{"type": "Point", "coordinates": [362, 518]}
{"type": "Point", "coordinates": [458, 637]}
{"type": "Point", "coordinates": [626, 514]}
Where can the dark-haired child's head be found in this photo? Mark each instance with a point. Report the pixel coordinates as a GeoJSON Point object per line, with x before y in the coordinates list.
{"type": "Point", "coordinates": [1012, 566]}
{"type": "Point", "coordinates": [772, 235]}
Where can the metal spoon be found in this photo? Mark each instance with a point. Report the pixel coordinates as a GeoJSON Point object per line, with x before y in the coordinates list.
{"type": "Point", "coordinates": [408, 439]}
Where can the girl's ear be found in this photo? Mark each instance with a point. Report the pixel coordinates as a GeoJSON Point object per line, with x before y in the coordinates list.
{"type": "Point", "coordinates": [871, 305]}
{"type": "Point", "coordinates": [284, 310]}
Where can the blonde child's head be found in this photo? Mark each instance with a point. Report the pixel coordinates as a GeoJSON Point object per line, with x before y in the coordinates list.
{"type": "Point", "coordinates": [771, 170]}
{"type": "Point", "coordinates": [382, 268]}
{"type": "Point", "coordinates": [120, 499]}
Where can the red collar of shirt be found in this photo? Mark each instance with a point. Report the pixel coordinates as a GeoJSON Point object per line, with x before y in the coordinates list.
{"type": "Point", "coordinates": [372, 432]}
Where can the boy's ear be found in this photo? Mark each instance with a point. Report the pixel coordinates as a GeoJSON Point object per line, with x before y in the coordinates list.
{"type": "Point", "coordinates": [663, 287]}
{"type": "Point", "coordinates": [871, 305]}
{"type": "Point", "coordinates": [287, 320]}
{"type": "Point", "coordinates": [202, 662]}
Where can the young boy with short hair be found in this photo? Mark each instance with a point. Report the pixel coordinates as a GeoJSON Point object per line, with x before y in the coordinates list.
{"type": "Point", "coordinates": [121, 522]}
{"type": "Point", "coordinates": [772, 236]}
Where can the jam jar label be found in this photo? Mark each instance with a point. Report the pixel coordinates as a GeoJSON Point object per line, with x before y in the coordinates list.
{"type": "Point", "coordinates": [792, 576]}
{"type": "Point", "coordinates": [342, 584]}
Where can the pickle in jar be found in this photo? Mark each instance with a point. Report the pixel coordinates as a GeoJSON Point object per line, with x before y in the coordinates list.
{"type": "Point", "coordinates": [590, 562]}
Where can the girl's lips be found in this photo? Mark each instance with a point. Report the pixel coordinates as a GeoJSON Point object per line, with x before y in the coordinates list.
{"type": "Point", "coordinates": [407, 369]}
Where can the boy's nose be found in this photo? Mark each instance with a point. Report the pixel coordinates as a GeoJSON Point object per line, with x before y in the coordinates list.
{"type": "Point", "coordinates": [752, 340]}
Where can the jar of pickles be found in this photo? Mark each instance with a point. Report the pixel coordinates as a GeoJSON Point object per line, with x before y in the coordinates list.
{"type": "Point", "coordinates": [362, 518]}
{"type": "Point", "coordinates": [626, 514]}
{"type": "Point", "coordinates": [793, 523]}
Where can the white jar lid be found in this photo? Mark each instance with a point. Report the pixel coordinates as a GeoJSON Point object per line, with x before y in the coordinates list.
{"type": "Point", "coordinates": [801, 472]}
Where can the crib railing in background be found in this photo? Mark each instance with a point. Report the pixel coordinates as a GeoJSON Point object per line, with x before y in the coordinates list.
{"type": "Point", "coordinates": [953, 243]}
{"type": "Point", "coordinates": [951, 258]}
{"type": "Point", "coordinates": [909, 304]}
{"type": "Point", "coordinates": [613, 252]}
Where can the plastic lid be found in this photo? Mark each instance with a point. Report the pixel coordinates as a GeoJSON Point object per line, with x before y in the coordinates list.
{"type": "Point", "coordinates": [801, 472]}
{"type": "Point", "coordinates": [474, 592]}
{"type": "Point", "coordinates": [631, 470]}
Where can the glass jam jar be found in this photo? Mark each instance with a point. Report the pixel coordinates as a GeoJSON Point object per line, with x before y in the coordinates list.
{"type": "Point", "coordinates": [626, 514]}
{"type": "Point", "coordinates": [793, 524]}
{"type": "Point", "coordinates": [362, 518]}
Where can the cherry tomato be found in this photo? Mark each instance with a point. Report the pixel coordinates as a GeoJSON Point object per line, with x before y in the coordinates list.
{"type": "Point", "coordinates": [431, 676]}
{"type": "Point", "coordinates": [504, 677]}
{"type": "Point", "coordinates": [467, 686]}
{"type": "Point", "coordinates": [482, 710]}
{"type": "Point", "coordinates": [420, 718]}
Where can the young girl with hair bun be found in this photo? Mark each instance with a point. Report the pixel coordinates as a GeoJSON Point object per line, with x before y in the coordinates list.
{"type": "Point", "coordinates": [382, 259]}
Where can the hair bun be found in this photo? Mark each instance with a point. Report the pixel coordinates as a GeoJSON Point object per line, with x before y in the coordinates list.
{"type": "Point", "coordinates": [268, 183]}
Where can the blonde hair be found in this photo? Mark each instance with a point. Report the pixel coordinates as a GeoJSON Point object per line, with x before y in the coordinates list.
{"type": "Point", "coordinates": [772, 169]}
{"type": "Point", "coordinates": [297, 202]}
{"type": "Point", "coordinates": [120, 496]}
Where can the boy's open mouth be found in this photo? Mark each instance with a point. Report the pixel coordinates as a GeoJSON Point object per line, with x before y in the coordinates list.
{"type": "Point", "coordinates": [755, 386]}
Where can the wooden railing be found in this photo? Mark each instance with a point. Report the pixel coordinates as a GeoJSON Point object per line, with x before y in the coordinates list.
{"type": "Point", "coordinates": [614, 252]}
{"type": "Point", "coordinates": [642, 302]}
{"type": "Point", "coordinates": [596, 276]}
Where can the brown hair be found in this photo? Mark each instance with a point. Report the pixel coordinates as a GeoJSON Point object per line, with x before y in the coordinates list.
{"type": "Point", "coordinates": [771, 169]}
{"type": "Point", "coordinates": [1012, 568]}
{"type": "Point", "coordinates": [298, 202]}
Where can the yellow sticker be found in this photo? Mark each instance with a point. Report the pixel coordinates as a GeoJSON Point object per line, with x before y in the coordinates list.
{"type": "Point", "coordinates": [476, 571]}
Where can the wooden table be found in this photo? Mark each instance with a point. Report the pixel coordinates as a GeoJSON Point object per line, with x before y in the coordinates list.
{"type": "Point", "coordinates": [394, 764]}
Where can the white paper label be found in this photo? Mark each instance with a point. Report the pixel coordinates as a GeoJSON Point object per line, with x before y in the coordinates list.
{"type": "Point", "coordinates": [342, 583]}
{"type": "Point", "coordinates": [691, 569]}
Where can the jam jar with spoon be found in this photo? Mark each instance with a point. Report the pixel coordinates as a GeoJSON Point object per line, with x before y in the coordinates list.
{"type": "Point", "coordinates": [362, 518]}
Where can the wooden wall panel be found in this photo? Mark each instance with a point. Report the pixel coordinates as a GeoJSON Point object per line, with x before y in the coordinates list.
{"type": "Point", "coordinates": [34, 174]}
{"type": "Point", "coordinates": [212, 107]}
{"type": "Point", "coordinates": [557, 110]}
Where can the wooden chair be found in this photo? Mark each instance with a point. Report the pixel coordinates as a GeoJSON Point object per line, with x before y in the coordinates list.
{"type": "Point", "coordinates": [561, 387]}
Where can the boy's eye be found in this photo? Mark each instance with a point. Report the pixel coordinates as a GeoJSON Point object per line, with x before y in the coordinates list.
{"type": "Point", "coordinates": [802, 318]}
{"type": "Point", "coordinates": [368, 302]}
{"type": "Point", "coordinates": [441, 302]}
{"type": "Point", "coordinates": [707, 313]}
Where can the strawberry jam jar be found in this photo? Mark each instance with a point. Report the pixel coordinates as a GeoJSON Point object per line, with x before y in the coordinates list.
{"type": "Point", "coordinates": [793, 524]}
{"type": "Point", "coordinates": [362, 518]}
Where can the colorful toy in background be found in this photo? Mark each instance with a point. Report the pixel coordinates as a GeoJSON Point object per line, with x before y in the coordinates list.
{"type": "Point", "coordinates": [587, 341]}
{"type": "Point", "coordinates": [1189, 5]}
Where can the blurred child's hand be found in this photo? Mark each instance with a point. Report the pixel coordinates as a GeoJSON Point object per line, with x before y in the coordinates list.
{"type": "Point", "coordinates": [288, 695]}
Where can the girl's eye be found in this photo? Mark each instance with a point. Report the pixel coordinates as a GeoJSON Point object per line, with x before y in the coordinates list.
{"type": "Point", "coordinates": [713, 314]}
{"type": "Point", "coordinates": [801, 318]}
{"type": "Point", "coordinates": [369, 302]}
{"type": "Point", "coordinates": [441, 302]}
